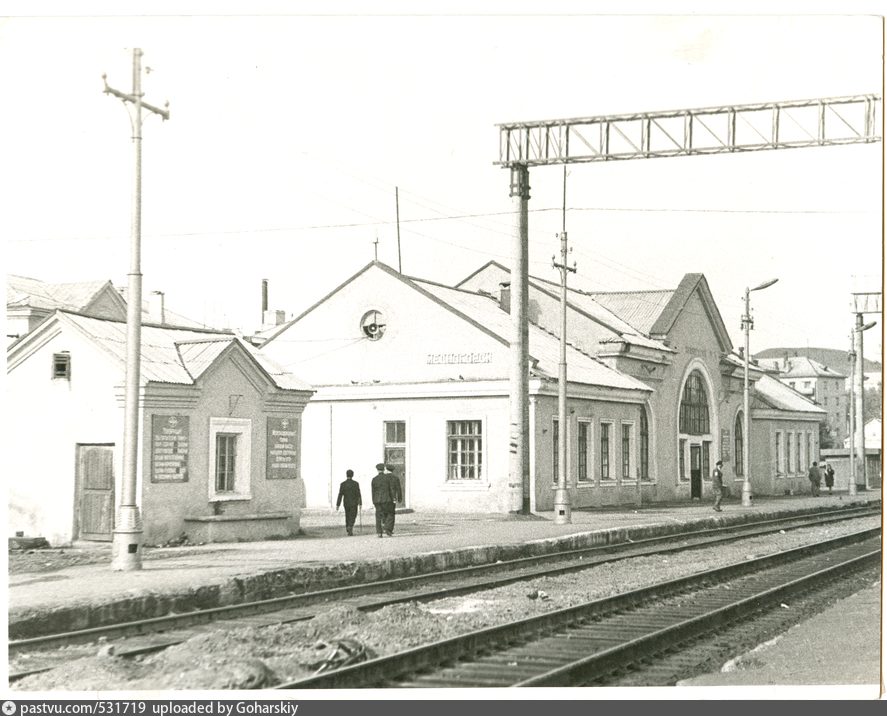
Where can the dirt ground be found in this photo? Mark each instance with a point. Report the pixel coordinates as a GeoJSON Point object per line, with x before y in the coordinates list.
{"type": "Point", "coordinates": [260, 657]}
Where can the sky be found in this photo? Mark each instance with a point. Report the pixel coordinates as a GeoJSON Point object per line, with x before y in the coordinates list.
{"type": "Point", "coordinates": [289, 133]}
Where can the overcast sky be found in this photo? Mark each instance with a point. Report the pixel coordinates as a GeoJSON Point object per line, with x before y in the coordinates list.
{"type": "Point", "coordinates": [288, 135]}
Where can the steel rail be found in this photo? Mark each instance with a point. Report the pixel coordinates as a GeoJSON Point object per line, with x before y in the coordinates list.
{"type": "Point", "coordinates": [386, 669]}
{"type": "Point", "coordinates": [609, 552]}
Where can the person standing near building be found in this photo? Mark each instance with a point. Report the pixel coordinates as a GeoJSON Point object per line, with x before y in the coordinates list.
{"type": "Point", "coordinates": [384, 500]}
{"type": "Point", "coordinates": [349, 494]}
{"type": "Point", "coordinates": [396, 496]}
{"type": "Point", "coordinates": [829, 473]}
{"type": "Point", "coordinates": [717, 484]}
{"type": "Point", "coordinates": [815, 478]}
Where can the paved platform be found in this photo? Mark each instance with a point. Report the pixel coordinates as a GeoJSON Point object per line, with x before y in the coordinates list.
{"type": "Point", "coordinates": [219, 574]}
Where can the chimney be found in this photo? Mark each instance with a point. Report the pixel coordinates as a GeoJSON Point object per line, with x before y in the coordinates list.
{"type": "Point", "coordinates": [155, 308]}
{"type": "Point", "coordinates": [505, 296]}
{"type": "Point", "coordinates": [785, 363]}
{"type": "Point", "coordinates": [264, 297]}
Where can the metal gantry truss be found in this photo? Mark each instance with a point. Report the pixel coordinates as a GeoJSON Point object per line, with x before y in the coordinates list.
{"type": "Point", "coordinates": [711, 130]}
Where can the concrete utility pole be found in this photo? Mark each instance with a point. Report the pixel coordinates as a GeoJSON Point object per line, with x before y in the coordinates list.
{"type": "Point", "coordinates": [862, 303]}
{"type": "Point", "coordinates": [851, 482]}
{"type": "Point", "coordinates": [126, 546]}
{"type": "Point", "coordinates": [562, 513]}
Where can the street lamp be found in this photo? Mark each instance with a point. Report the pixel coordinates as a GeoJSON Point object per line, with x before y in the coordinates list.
{"type": "Point", "coordinates": [857, 372]}
{"type": "Point", "coordinates": [748, 324]}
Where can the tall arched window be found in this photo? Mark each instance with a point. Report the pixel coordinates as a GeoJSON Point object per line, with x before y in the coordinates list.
{"type": "Point", "coordinates": [644, 457]}
{"type": "Point", "coordinates": [738, 443]}
{"type": "Point", "coordinates": [694, 406]}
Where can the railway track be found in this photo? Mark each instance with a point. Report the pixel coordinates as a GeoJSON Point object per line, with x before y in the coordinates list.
{"type": "Point", "coordinates": [151, 635]}
{"type": "Point", "coordinates": [606, 638]}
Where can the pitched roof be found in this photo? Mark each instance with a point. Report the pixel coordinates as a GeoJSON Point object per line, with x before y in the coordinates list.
{"type": "Point", "coordinates": [639, 309]}
{"type": "Point", "coordinates": [175, 355]}
{"type": "Point", "coordinates": [800, 367]}
{"type": "Point", "coordinates": [776, 394]}
{"type": "Point", "coordinates": [544, 347]}
{"type": "Point", "coordinates": [31, 292]}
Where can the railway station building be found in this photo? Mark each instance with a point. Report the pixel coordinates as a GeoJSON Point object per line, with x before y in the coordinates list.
{"type": "Point", "coordinates": [415, 374]}
{"type": "Point", "coordinates": [219, 434]}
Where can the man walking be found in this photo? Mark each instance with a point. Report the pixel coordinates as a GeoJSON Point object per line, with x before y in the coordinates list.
{"type": "Point", "coordinates": [349, 493]}
{"type": "Point", "coordinates": [717, 485]}
{"type": "Point", "coordinates": [396, 495]}
{"type": "Point", "coordinates": [815, 477]}
{"type": "Point", "coordinates": [384, 500]}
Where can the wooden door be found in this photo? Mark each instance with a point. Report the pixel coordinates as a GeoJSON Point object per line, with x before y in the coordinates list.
{"type": "Point", "coordinates": [95, 492]}
{"type": "Point", "coordinates": [696, 472]}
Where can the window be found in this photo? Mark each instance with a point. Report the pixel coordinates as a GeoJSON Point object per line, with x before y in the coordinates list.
{"type": "Point", "coordinates": [790, 454]}
{"type": "Point", "coordinates": [229, 458]}
{"type": "Point", "coordinates": [780, 454]}
{"type": "Point", "coordinates": [798, 454]}
{"type": "Point", "coordinates": [395, 432]}
{"type": "Point", "coordinates": [626, 451]}
{"type": "Point", "coordinates": [226, 461]}
{"type": "Point", "coordinates": [61, 366]}
{"type": "Point", "coordinates": [706, 459]}
{"type": "Point", "coordinates": [644, 455]}
{"type": "Point", "coordinates": [584, 439]}
{"type": "Point", "coordinates": [811, 448]}
{"type": "Point", "coordinates": [464, 449]}
{"type": "Point", "coordinates": [694, 406]}
{"type": "Point", "coordinates": [682, 450]}
{"type": "Point", "coordinates": [738, 450]}
{"type": "Point", "coordinates": [555, 438]}
{"type": "Point", "coordinates": [605, 451]}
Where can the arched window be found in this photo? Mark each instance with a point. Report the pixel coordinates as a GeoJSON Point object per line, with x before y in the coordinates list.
{"type": "Point", "coordinates": [644, 457]}
{"type": "Point", "coordinates": [694, 406]}
{"type": "Point", "coordinates": [737, 443]}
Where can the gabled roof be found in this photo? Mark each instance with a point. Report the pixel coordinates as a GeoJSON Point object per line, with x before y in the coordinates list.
{"type": "Point", "coordinates": [168, 354]}
{"type": "Point", "coordinates": [686, 288]}
{"type": "Point", "coordinates": [639, 309]}
{"type": "Point", "coordinates": [31, 292]}
{"type": "Point", "coordinates": [776, 394]}
{"type": "Point", "coordinates": [801, 367]}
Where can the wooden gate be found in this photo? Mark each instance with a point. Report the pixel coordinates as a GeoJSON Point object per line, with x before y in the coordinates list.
{"type": "Point", "coordinates": [95, 492]}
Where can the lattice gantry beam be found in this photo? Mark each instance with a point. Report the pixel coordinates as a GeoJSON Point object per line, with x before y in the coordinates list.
{"type": "Point", "coordinates": [712, 130]}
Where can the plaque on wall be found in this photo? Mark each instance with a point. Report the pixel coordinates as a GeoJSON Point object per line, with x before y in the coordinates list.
{"type": "Point", "coordinates": [725, 445]}
{"type": "Point", "coordinates": [170, 443]}
{"type": "Point", "coordinates": [282, 448]}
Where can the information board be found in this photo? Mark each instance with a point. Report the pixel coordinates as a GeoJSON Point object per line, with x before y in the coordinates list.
{"type": "Point", "coordinates": [282, 459]}
{"type": "Point", "coordinates": [725, 445]}
{"type": "Point", "coordinates": [170, 443]}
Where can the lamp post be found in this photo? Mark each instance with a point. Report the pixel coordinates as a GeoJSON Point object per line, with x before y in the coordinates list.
{"type": "Point", "coordinates": [857, 387]}
{"type": "Point", "coordinates": [748, 324]}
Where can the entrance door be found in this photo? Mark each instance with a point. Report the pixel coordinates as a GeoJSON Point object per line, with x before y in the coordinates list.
{"type": "Point", "coordinates": [696, 472]}
{"type": "Point", "coordinates": [95, 492]}
{"type": "Point", "coordinates": [396, 454]}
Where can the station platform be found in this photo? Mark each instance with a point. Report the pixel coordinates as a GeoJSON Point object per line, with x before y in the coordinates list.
{"type": "Point", "coordinates": [184, 578]}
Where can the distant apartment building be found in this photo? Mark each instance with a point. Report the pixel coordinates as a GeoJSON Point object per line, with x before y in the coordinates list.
{"type": "Point", "coordinates": [823, 385]}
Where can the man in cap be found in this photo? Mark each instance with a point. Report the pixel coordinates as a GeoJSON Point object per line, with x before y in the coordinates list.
{"type": "Point", "coordinates": [717, 484]}
{"type": "Point", "coordinates": [349, 493]}
{"type": "Point", "coordinates": [396, 495]}
{"type": "Point", "coordinates": [384, 499]}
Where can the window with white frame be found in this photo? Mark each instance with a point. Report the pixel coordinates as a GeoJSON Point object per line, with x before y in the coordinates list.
{"type": "Point", "coordinates": [606, 474]}
{"type": "Point", "coordinates": [798, 454]}
{"type": "Point", "coordinates": [682, 459]}
{"type": "Point", "coordinates": [790, 453]}
{"type": "Point", "coordinates": [627, 448]}
{"type": "Point", "coordinates": [584, 451]}
{"type": "Point", "coordinates": [230, 447]}
{"type": "Point", "coordinates": [780, 453]}
{"type": "Point", "coordinates": [811, 448]}
{"type": "Point", "coordinates": [706, 459]}
{"type": "Point", "coordinates": [61, 366]}
{"type": "Point", "coordinates": [738, 448]}
{"type": "Point", "coordinates": [464, 450]}
{"type": "Point", "coordinates": [644, 451]}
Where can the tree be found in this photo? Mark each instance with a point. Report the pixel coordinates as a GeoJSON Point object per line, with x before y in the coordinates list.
{"type": "Point", "coordinates": [872, 407]}
{"type": "Point", "coordinates": [826, 441]}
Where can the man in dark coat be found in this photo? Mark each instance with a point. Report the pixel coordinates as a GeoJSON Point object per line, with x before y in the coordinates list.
{"type": "Point", "coordinates": [397, 496]}
{"type": "Point", "coordinates": [815, 478]}
{"type": "Point", "coordinates": [349, 493]}
{"type": "Point", "coordinates": [717, 485]}
{"type": "Point", "coordinates": [384, 500]}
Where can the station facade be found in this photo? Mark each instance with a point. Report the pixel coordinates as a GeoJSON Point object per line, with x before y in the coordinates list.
{"type": "Point", "coordinates": [219, 434]}
{"type": "Point", "coordinates": [415, 374]}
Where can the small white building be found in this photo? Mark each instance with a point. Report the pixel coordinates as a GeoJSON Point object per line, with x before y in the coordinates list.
{"type": "Point", "coordinates": [219, 434]}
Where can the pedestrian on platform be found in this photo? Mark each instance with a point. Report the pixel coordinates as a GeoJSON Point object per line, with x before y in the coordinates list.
{"type": "Point", "coordinates": [829, 473]}
{"type": "Point", "coordinates": [397, 495]}
{"type": "Point", "coordinates": [349, 494]}
{"type": "Point", "coordinates": [815, 478]}
{"type": "Point", "coordinates": [384, 500]}
{"type": "Point", "coordinates": [717, 485]}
